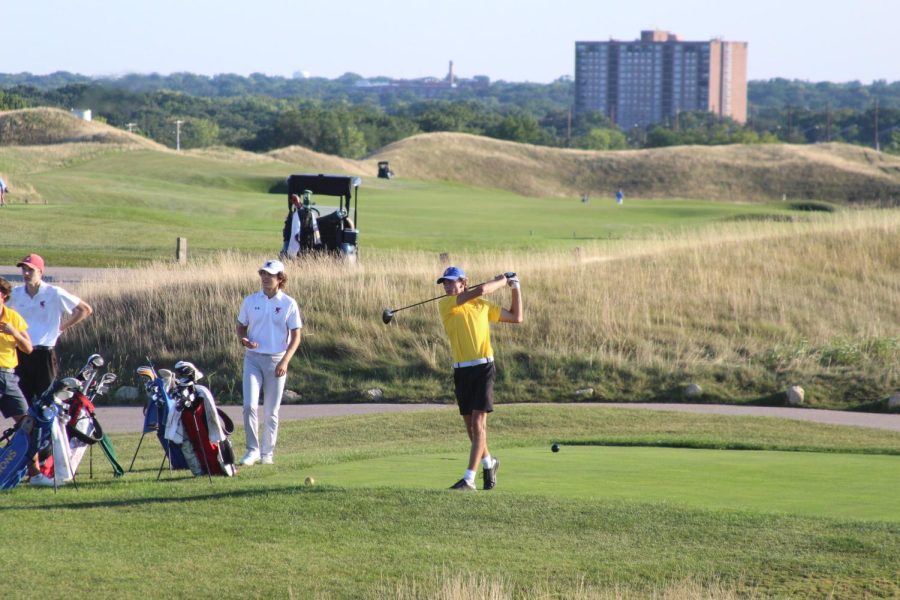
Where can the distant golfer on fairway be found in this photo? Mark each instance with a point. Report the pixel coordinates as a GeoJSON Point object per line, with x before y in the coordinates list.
{"type": "Point", "coordinates": [466, 317]}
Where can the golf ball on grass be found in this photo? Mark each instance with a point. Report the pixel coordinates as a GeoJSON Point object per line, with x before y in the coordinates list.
{"type": "Point", "coordinates": [555, 447]}
{"type": "Point", "coordinates": [309, 481]}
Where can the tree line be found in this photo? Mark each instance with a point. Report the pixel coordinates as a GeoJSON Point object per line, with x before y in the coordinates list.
{"type": "Point", "coordinates": [342, 117]}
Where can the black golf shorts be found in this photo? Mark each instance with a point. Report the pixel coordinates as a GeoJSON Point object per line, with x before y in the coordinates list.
{"type": "Point", "coordinates": [12, 402]}
{"type": "Point", "coordinates": [475, 388]}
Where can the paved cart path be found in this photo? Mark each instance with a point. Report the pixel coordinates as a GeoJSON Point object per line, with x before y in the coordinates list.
{"type": "Point", "coordinates": [120, 419]}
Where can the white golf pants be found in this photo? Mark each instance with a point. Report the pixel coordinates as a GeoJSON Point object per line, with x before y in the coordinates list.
{"type": "Point", "coordinates": [259, 376]}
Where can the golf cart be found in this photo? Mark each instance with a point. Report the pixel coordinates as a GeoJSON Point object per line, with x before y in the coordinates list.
{"type": "Point", "coordinates": [307, 231]}
{"type": "Point", "coordinates": [384, 170]}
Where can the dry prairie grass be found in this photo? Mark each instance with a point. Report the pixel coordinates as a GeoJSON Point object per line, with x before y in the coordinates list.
{"type": "Point", "coordinates": [745, 309]}
{"type": "Point", "coordinates": [482, 587]}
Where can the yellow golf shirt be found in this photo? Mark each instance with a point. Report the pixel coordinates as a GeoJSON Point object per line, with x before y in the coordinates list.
{"type": "Point", "coordinates": [8, 357]}
{"type": "Point", "coordinates": [468, 327]}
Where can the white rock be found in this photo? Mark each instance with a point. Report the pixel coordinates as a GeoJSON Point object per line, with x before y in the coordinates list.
{"type": "Point", "coordinates": [894, 401]}
{"type": "Point", "coordinates": [374, 394]}
{"type": "Point", "coordinates": [693, 390]}
{"type": "Point", "coordinates": [585, 392]}
{"type": "Point", "coordinates": [795, 395]}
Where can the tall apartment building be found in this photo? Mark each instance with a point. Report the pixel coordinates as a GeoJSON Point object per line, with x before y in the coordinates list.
{"type": "Point", "coordinates": [651, 80]}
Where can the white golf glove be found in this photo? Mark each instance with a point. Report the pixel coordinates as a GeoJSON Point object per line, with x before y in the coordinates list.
{"type": "Point", "coordinates": [513, 282]}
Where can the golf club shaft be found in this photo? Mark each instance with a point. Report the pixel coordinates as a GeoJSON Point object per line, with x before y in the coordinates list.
{"type": "Point", "coordinates": [435, 298]}
{"type": "Point", "coordinates": [419, 303]}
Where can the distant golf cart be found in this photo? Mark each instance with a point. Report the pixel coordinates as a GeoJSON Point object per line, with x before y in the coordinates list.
{"type": "Point", "coordinates": [384, 170]}
{"type": "Point", "coordinates": [307, 231]}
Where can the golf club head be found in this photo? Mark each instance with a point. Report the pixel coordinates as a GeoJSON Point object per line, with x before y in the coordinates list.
{"type": "Point", "coordinates": [65, 388]}
{"type": "Point", "coordinates": [168, 378]}
{"type": "Point", "coordinates": [107, 379]}
{"type": "Point", "coordinates": [147, 372]}
{"type": "Point", "coordinates": [387, 316]}
{"type": "Point", "coordinates": [96, 360]}
{"type": "Point", "coordinates": [69, 383]}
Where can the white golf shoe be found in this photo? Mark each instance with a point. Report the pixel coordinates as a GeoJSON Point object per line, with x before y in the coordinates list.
{"type": "Point", "coordinates": [250, 458]}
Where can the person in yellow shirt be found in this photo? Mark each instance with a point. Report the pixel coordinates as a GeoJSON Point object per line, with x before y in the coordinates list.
{"type": "Point", "coordinates": [13, 335]}
{"type": "Point", "coordinates": [466, 317]}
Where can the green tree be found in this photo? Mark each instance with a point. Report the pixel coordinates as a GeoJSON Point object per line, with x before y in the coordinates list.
{"type": "Point", "coordinates": [598, 138]}
{"type": "Point", "coordinates": [199, 133]}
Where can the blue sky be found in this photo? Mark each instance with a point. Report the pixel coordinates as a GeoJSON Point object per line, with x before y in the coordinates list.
{"type": "Point", "coordinates": [513, 40]}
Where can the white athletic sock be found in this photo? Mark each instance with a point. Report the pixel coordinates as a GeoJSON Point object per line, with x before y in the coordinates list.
{"type": "Point", "coordinates": [487, 462]}
{"type": "Point", "coordinates": [469, 476]}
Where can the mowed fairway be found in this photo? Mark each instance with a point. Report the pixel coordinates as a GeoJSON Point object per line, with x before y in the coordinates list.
{"type": "Point", "coordinates": [797, 483]}
{"type": "Point", "coordinates": [114, 208]}
{"type": "Point", "coordinates": [589, 522]}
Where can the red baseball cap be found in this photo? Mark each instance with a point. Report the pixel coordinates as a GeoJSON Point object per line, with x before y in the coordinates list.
{"type": "Point", "coordinates": [34, 261]}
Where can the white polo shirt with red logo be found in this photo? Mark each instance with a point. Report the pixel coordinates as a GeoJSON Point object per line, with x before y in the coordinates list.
{"type": "Point", "coordinates": [270, 321]}
{"type": "Point", "coordinates": [44, 311]}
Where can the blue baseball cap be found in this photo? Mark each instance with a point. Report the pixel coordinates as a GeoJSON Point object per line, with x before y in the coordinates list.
{"type": "Point", "coordinates": [452, 274]}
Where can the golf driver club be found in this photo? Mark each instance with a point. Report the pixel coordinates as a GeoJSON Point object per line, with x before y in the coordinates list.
{"type": "Point", "coordinates": [388, 315]}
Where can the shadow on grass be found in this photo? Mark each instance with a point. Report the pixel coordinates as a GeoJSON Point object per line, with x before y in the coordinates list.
{"type": "Point", "coordinates": [168, 500]}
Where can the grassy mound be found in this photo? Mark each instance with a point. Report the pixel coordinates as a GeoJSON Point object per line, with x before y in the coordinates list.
{"type": "Point", "coordinates": [764, 172]}
{"type": "Point", "coordinates": [46, 126]}
{"type": "Point", "coordinates": [316, 162]}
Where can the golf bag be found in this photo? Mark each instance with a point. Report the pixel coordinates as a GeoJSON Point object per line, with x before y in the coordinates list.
{"type": "Point", "coordinates": [156, 414]}
{"type": "Point", "coordinates": [201, 429]}
{"type": "Point", "coordinates": [82, 432]}
{"type": "Point", "coordinates": [301, 232]}
{"type": "Point", "coordinates": [34, 432]}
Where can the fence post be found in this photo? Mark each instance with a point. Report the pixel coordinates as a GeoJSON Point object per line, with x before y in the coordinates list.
{"type": "Point", "coordinates": [181, 251]}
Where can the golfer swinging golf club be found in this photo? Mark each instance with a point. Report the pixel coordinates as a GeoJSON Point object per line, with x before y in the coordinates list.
{"type": "Point", "coordinates": [466, 317]}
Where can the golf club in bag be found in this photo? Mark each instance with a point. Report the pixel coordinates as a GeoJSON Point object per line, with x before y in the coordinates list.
{"type": "Point", "coordinates": [82, 428]}
{"type": "Point", "coordinates": [156, 413]}
{"type": "Point", "coordinates": [33, 432]}
{"type": "Point", "coordinates": [199, 427]}
{"type": "Point", "coordinates": [388, 315]}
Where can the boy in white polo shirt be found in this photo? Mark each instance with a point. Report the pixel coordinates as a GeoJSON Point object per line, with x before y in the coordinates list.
{"type": "Point", "coordinates": [43, 307]}
{"type": "Point", "coordinates": [268, 325]}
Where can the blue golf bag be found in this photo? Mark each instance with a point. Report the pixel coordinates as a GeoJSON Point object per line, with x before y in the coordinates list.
{"type": "Point", "coordinates": [33, 432]}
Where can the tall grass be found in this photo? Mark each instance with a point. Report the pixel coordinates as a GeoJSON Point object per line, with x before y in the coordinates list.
{"type": "Point", "coordinates": [743, 308]}
{"type": "Point", "coordinates": [456, 586]}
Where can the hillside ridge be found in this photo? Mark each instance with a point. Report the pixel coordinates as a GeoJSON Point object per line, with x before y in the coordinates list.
{"type": "Point", "coordinates": [45, 126]}
{"type": "Point", "coordinates": [764, 172]}
{"type": "Point", "coordinates": [833, 171]}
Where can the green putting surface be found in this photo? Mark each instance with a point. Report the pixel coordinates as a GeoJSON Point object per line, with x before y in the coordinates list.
{"type": "Point", "coordinates": [851, 486]}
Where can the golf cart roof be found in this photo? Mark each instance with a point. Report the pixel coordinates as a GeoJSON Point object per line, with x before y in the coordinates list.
{"type": "Point", "coordinates": [326, 185]}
